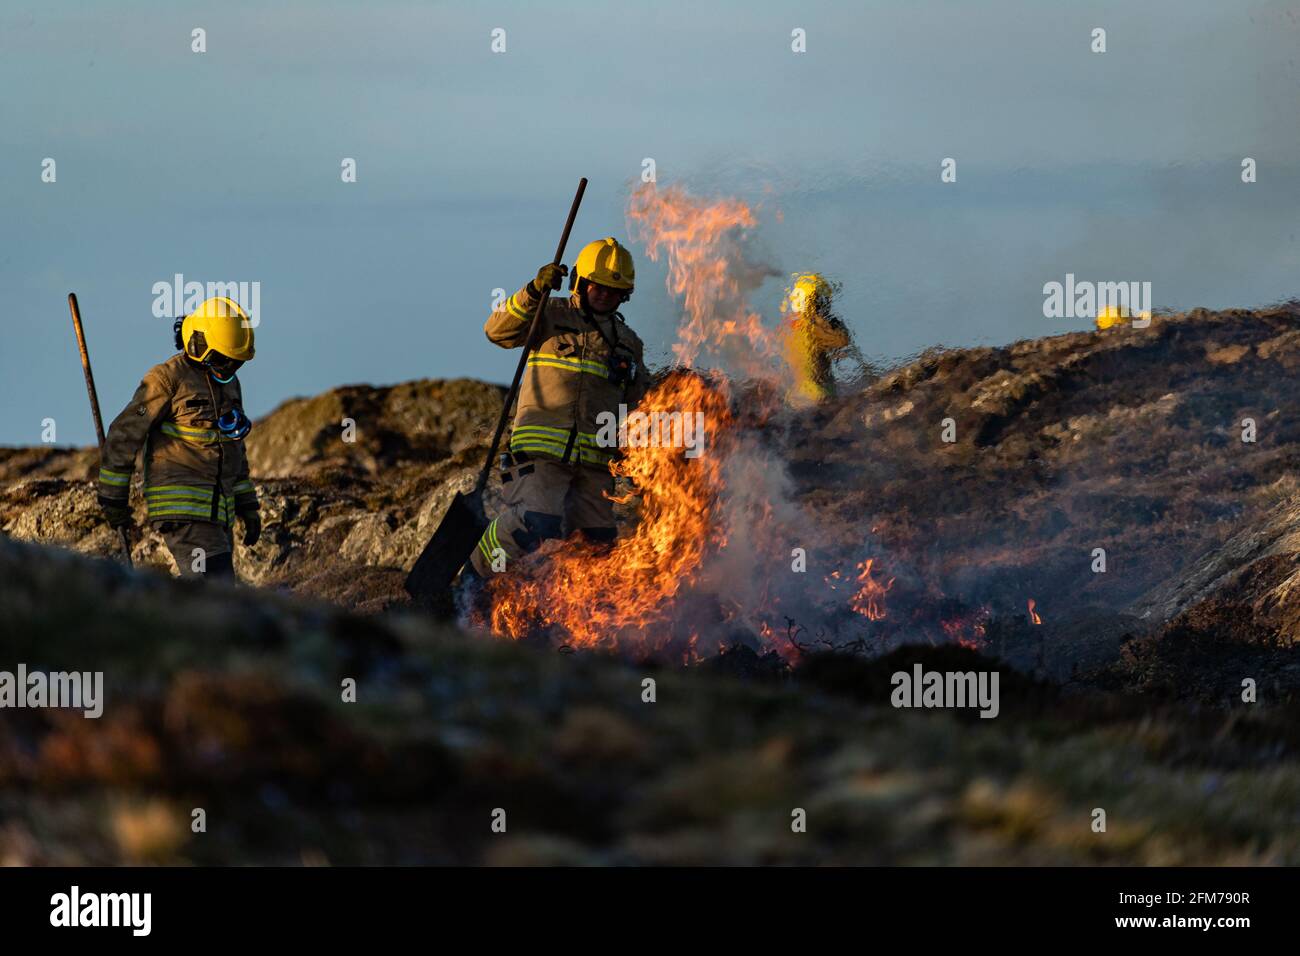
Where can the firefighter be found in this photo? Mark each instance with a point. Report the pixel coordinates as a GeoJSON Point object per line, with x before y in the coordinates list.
{"type": "Point", "coordinates": [1111, 316]}
{"type": "Point", "coordinates": [556, 475]}
{"type": "Point", "coordinates": [188, 416]}
{"type": "Point", "coordinates": [813, 336]}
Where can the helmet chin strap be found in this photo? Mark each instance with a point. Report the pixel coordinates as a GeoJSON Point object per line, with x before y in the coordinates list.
{"type": "Point", "coordinates": [217, 378]}
{"type": "Point", "coordinates": [211, 371]}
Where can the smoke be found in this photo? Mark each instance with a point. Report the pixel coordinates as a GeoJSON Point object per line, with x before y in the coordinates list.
{"type": "Point", "coordinates": [756, 573]}
{"type": "Point", "coordinates": [756, 515]}
{"type": "Point", "coordinates": [721, 551]}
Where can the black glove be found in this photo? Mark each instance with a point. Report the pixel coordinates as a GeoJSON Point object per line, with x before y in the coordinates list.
{"type": "Point", "coordinates": [549, 276]}
{"type": "Point", "coordinates": [118, 513]}
{"type": "Point", "coordinates": [252, 526]}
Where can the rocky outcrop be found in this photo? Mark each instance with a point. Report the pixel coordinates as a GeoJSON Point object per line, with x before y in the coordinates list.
{"type": "Point", "coordinates": [1121, 449]}
{"type": "Point", "coordinates": [361, 430]}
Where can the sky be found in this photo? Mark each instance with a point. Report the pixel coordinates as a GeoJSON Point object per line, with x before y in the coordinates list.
{"type": "Point", "coordinates": [225, 166]}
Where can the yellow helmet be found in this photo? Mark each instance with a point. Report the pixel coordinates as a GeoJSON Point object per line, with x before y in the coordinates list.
{"type": "Point", "coordinates": [217, 325]}
{"type": "Point", "coordinates": [607, 263]}
{"type": "Point", "coordinates": [811, 293]}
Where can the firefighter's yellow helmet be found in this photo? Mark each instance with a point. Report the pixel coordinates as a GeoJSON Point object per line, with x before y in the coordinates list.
{"type": "Point", "coordinates": [607, 263]}
{"type": "Point", "coordinates": [217, 325]}
{"type": "Point", "coordinates": [811, 293]}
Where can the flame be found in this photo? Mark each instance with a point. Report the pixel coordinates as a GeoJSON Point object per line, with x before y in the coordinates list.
{"type": "Point", "coordinates": [700, 240]}
{"type": "Point", "coordinates": [1033, 615]}
{"type": "Point", "coordinates": [869, 601]}
{"type": "Point", "coordinates": [624, 595]}
{"type": "Point", "coordinates": [968, 629]}
{"type": "Point", "coordinates": [684, 580]}
{"type": "Point", "coordinates": [629, 595]}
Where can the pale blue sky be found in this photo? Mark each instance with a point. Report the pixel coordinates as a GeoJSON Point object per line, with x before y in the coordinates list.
{"type": "Point", "coordinates": [225, 165]}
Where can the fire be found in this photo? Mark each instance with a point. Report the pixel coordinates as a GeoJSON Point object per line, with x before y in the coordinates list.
{"type": "Point", "coordinates": [700, 240]}
{"type": "Point", "coordinates": [630, 595]}
{"type": "Point", "coordinates": [969, 629]}
{"type": "Point", "coordinates": [700, 567]}
{"type": "Point", "coordinates": [869, 601]}
{"type": "Point", "coordinates": [624, 595]}
{"type": "Point", "coordinates": [1033, 615]}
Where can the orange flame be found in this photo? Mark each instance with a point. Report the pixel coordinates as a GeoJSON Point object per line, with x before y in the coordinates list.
{"type": "Point", "coordinates": [624, 595]}
{"type": "Point", "coordinates": [869, 601]}
{"type": "Point", "coordinates": [1033, 615]}
{"type": "Point", "coordinates": [700, 240]}
{"type": "Point", "coordinates": [969, 629]}
{"type": "Point", "coordinates": [642, 593]}
{"type": "Point", "coordinates": [627, 595]}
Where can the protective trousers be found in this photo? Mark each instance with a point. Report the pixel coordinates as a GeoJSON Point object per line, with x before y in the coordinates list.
{"type": "Point", "coordinates": [545, 499]}
{"type": "Point", "coordinates": [200, 549]}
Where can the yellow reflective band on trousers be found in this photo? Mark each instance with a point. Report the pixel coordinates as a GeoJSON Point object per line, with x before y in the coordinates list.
{"type": "Point", "coordinates": [114, 477]}
{"type": "Point", "coordinates": [187, 501]}
{"type": "Point", "coordinates": [197, 436]}
{"type": "Point", "coordinates": [551, 360]}
{"type": "Point", "coordinates": [488, 544]}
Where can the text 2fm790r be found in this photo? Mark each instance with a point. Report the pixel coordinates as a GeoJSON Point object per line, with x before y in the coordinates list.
{"type": "Point", "coordinates": [1151, 899]}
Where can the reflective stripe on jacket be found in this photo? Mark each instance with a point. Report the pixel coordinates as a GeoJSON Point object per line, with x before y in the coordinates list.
{"type": "Point", "coordinates": [566, 382]}
{"type": "Point", "coordinates": [552, 443]}
{"type": "Point", "coordinates": [187, 501]}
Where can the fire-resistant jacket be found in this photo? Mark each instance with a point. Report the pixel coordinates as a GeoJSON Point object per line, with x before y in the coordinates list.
{"type": "Point", "coordinates": [811, 342]}
{"type": "Point", "coordinates": [191, 471]}
{"type": "Point", "coordinates": [567, 384]}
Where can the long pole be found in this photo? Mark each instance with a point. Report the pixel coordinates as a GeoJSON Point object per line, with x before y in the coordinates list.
{"type": "Point", "coordinates": [94, 403]}
{"type": "Point", "coordinates": [528, 342]}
